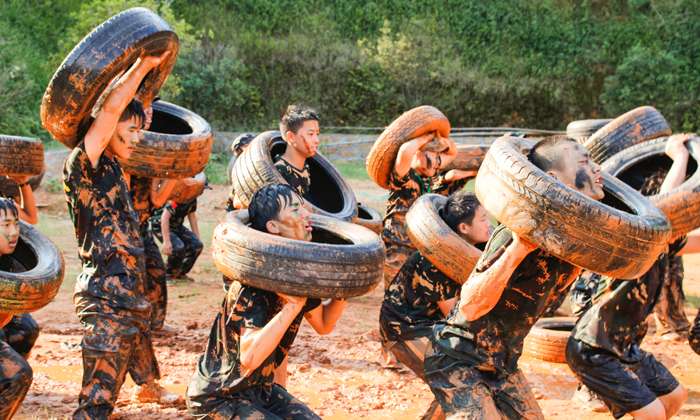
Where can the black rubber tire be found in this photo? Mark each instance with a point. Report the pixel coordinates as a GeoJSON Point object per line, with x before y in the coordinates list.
{"type": "Point", "coordinates": [469, 157]}
{"type": "Point", "coordinates": [413, 123]}
{"type": "Point", "coordinates": [639, 125]}
{"type": "Point", "coordinates": [349, 262]}
{"type": "Point", "coordinates": [585, 128]}
{"type": "Point", "coordinates": [21, 293]}
{"type": "Point", "coordinates": [620, 237]}
{"type": "Point", "coordinates": [105, 53]}
{"type": "Point", "coordinates": [10, 187]}
{"type": "Point", "coordinates": [176, 146]}
{"type": "Point", "coordinates": [330, 195]}
{"type": "Point", "coordinates": [437, 242]}
{"type": "Point", "coordinates": [680, 205]}
{"type": "Point", "coordinates": [21, 156]}
{"type": "Point", "coordinates": [547, 339]}
{"type": "Point", "coordinates": [186, 190]}
{"type": "Point", "coordinates": [369, 218]}
{"type": "Point", "coordinates": [229, 169]}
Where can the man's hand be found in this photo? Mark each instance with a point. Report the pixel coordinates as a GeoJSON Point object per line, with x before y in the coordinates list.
{"type": "Point", "coordinates": [19, 178]}
{"type": "Point", "coordinates": [167, 248]}
{"type": "Point", "coordinates": [294, 303]}
{"type": "Point", "coordinates": [522, 246]}
{"type": "Point", "coordinates": [153, 60]}
{"type": "Point", "coordinates": [675, 147]}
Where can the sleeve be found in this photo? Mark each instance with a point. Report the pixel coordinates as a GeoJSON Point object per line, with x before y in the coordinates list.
{"type": "Point", "coordinates": [251, 309]}
{"type": "Point", "coordinates": [171, 207]}
{"type": "Point", "coordinates": [675, 247]}
{"type": "Point", "coordinates": [495, 248]}
{"type": "Point", "coordinates": [434, 285]}
{"type": "Point", "coordinates": [398, 182]}
{"type": "Point", "coordinates": [192, 207]}
{"type": "Point", "coordinates": [448, 188]}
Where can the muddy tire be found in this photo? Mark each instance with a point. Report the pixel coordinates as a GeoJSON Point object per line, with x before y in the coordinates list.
{"type": "Point", "coordinates": [10, 187]}
{"type": "Point", "coordinates": [621, 236]}
{"type": "Point", "coordinates": [176, 146]}
{"type": "Point", "coordinates": [437, 242]}
{"type": "Point", "coordinates": [413, 123]}
{"type": "Point", "coordinates": [229, 168]}
{"type": "Point", "coordinates": [330, 195]}
{"type": "Point", "coordinates": [342, 261]}
{"type": "Point", "coordinates": [469, 157]}
{"type": "Point", "coordinates": [639, 125]}
{"type": "Point", "coordinates": [680, 205]}
{"type": "Point", "coordinates": [21, 156]}
{"type": "Point", "coordinates": [185, 190]}
{"type": "Point", "coordinates": [21, 293]}
{"type": "Point", "coordinates": [547, 339]}
{"type": "Point", "coordinates": [369, 218]}
{"type": "Point", "coordinates": [585, 128]}
{"type": "Point", "coordinates": [105, 53]}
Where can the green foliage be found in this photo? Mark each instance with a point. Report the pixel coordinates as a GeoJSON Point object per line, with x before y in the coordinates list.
{"type": "Point", "coordinates": [353, 170]}
{"type": "Point", "coordinates": [216, 169]}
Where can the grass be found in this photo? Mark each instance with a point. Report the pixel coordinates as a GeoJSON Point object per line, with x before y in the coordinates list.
{"type": "Point", "coordinates": [216, 169]}
{"type": "Point", "coordinates": [353, 170]}
{"type": "Point", "coordinates": [693, 300]}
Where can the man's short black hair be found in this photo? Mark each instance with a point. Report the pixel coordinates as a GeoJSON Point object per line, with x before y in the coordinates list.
{"type": "Point", "coordinates": [293, 118]}
{"type": "Point", "coordinates": [134, 110]}
{"type": "Point", "coordinates": [460, 208]}
{"type": "Point", "coordinates": [7, 205]}
{"type": "Point", "coordinates": [267, 202]}
{"type": "Point", "coordinates": [652, 185]}
{"type": "Point", "coordinates": [547, 153]}
{"type": "Point", "coordinates": [241, 142]}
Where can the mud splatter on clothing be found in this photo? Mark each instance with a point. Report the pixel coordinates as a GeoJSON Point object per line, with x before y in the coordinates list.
{"type": "Point", "coordinates": [300, 180]}
{"type": "Point", "coordinates": [588, 289]}
{"type": "Point", "coordinates": [186, 245]}
{"type": "Point", "coordinates": [410, 308]}
{"type": "Point", "coordinates": [669, 310]}
{"type": "Point", "coordinates": [15, 379]}
{"type": "Point", "coordinates": [220, 381]}
{"type": "Point", "coordinates": [140, 189]}
{"type": "Point", "coordinates": [178, 213]}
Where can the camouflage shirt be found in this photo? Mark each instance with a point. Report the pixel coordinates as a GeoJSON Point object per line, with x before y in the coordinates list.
{"type": "Point", "coordinates": [617, 321]}
{"type": "Point", "coordinates": [219, 374]}
{"type": "Point", "coordinates": [403, 193]}
{"type": "Point", "coordinates": [495, 341]}
{"type": "Point", "coordinates": [103, 214]}
{"type": "Point", "coordinates": [140, 189]}
{"type": "Point", "coordinates": [300, 180]}
{"type": "Point", "coordinates": [410, 307]}
{"type": "Point", "coordinates": [177, 211]}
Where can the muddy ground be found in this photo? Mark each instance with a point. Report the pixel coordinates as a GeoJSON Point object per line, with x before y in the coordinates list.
{"type": "Point", "coordinates": [336, 375]}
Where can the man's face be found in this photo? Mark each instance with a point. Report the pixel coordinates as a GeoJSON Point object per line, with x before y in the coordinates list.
{"type": "Point", "coordinates": [480, 228]}
{"type": "Point", "coordinates": [426, 162]}
{"type": "Point", "coordinates": [125, 136]}
{"type": "Point", "coordinates": [580, 172]}
{"type": "Point", "coordinates": [9, 232]}
{"type": "Point", "coordinates": [149, 118]}
{"type": "Point", "coordinates": [305, 141]}
{"type": "Point", "coordinates": [293, 221]}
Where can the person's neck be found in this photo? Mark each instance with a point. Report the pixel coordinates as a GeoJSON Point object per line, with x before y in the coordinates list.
{"type": "Point", "coordinates": [108, 154]}
{"type": "Point", "coordinates": [294, 158]}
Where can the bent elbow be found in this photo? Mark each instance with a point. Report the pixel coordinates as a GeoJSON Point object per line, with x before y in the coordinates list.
{"type": "Point", "coordinates": [471, 312]}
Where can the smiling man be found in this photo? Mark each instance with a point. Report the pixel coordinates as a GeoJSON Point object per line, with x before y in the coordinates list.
{"type": "Point", "coordinates": [242, 374]}
{"type": "Point", "coordinates": [299, 128]}
{"type": "Point", "coordinates": [472, 365]}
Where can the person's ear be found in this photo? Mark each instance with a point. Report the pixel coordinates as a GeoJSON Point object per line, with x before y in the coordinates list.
{"type": "Point", "coordinates": [463, 228]}
{"type": "Point", "coordinates": [272, 227]}
{"type": "Point", "coordinates": [553, 174]}
{"type": "Point", "coordinates": [290, 137]}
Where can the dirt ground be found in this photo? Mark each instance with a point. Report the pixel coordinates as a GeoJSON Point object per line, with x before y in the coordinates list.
{"type": "Point", "coordinates": [336, 375]}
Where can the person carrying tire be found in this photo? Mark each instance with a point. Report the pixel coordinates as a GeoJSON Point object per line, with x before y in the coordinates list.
{"type": "Point", "coordinates": [149, 194]}
{"type": "Point", "coordinates": [16, 375]}
{"type": "Point", "coordinates": [603, 350]}
{"type": "Point", "coordinates": [420, 294]}
{"type": "Point", "coordinates": [110, 299]}
{"type": "Point", "coordinates": [239, 144]}
{"type": "Point", "coordinates": [299, 128]}
{"type": "Point", "coordinates": [472, 365]}
{"type": "Point", "coordinates": [242, 373]}
{"type": "Point", "coordinates": [181, 245]}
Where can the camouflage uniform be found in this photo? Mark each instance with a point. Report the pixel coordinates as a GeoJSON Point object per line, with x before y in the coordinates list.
{"type": "Point", "coordinates": [669, 311]}
{"type": "Point", "coordinates": [587, 290]}
{"type": "Point", "coordinates": [300, 180]}
{"type": "Point", "coordinates": [603, 350]}
{"type": "Point", "coordinates": [472, 367]}
{"type": "Point", "coordinates": [410, 310]}
{"type": "Point", "coordinates": [110, 296]}
{"type": "Point", "coordinates": [186, 245]}
{"type": "Point", "coordinates": [155, 267]}
{"type": "Point", "coordinates": [221, 388]}
{"type": "Point", "coordinates": [16, 341]}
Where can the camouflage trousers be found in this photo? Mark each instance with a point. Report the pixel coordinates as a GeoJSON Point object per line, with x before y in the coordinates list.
{"type": "Point", "coordinates": [694, 335]}
{"type": "Point", "coordinates": [467, 393]}
{"type": "Point", "coordinates": [396, 256]}
{"type": "Point", "coordinates": [157, 288]}
{"type": "Point", "coordinates": [186, 250]}
{"type": "Point", "coordinates": [21, 334]}
{"type": "Point", "coordinates": [15, 379]}
{"type": "Point", "coordinates": [669, 310]}
{"type": "Point", "coordinates": [261, 403]}
{"type": "Point", "coordinates": [116, 316]}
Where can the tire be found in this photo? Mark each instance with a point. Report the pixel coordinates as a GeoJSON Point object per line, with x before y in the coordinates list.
{"type": "Point", "coordinates": [10, 187]}
{"type": "Point", "coordinates": [547, 339]}
{"type": "Point", "coordinates": [177, 145]}
{"type": "Point", "coordinates": [21, 293]}
{"type": "Point", "coordinates": [229, 169]}
{"type": "Point", "coordinates": [620, 237]}
{"type": "Point", "coordinates": [413, 123]}
{"type": "Point", "coordinates": [369, 218]}
{"type": "Point", "coordinates": [639, 125]}
{"type": "Point", "coordinates": [469, 157]}
{"type": "Point", "coordinates": [329, 195]}
{"type": "Point", "coordinates": [105, 53]}
{"type": "Point", "coordinates": [680, 205]}
{"type": "Point", "coordinates": [437, 242]}
{"type": "Point", "coordinates": [349, 262]}
{"type": "Point", "coordinates": [186, 190]}
{"type": "Point", "coordinates": [21, 156]}
{"type": "Point", "coordinates": [585, 128]}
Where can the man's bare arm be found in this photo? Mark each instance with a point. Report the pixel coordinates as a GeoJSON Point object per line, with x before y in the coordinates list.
{"type": "Point", "coordinates": [160, 190]}
{"type": "Point", "coordinates": [323, 318]}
